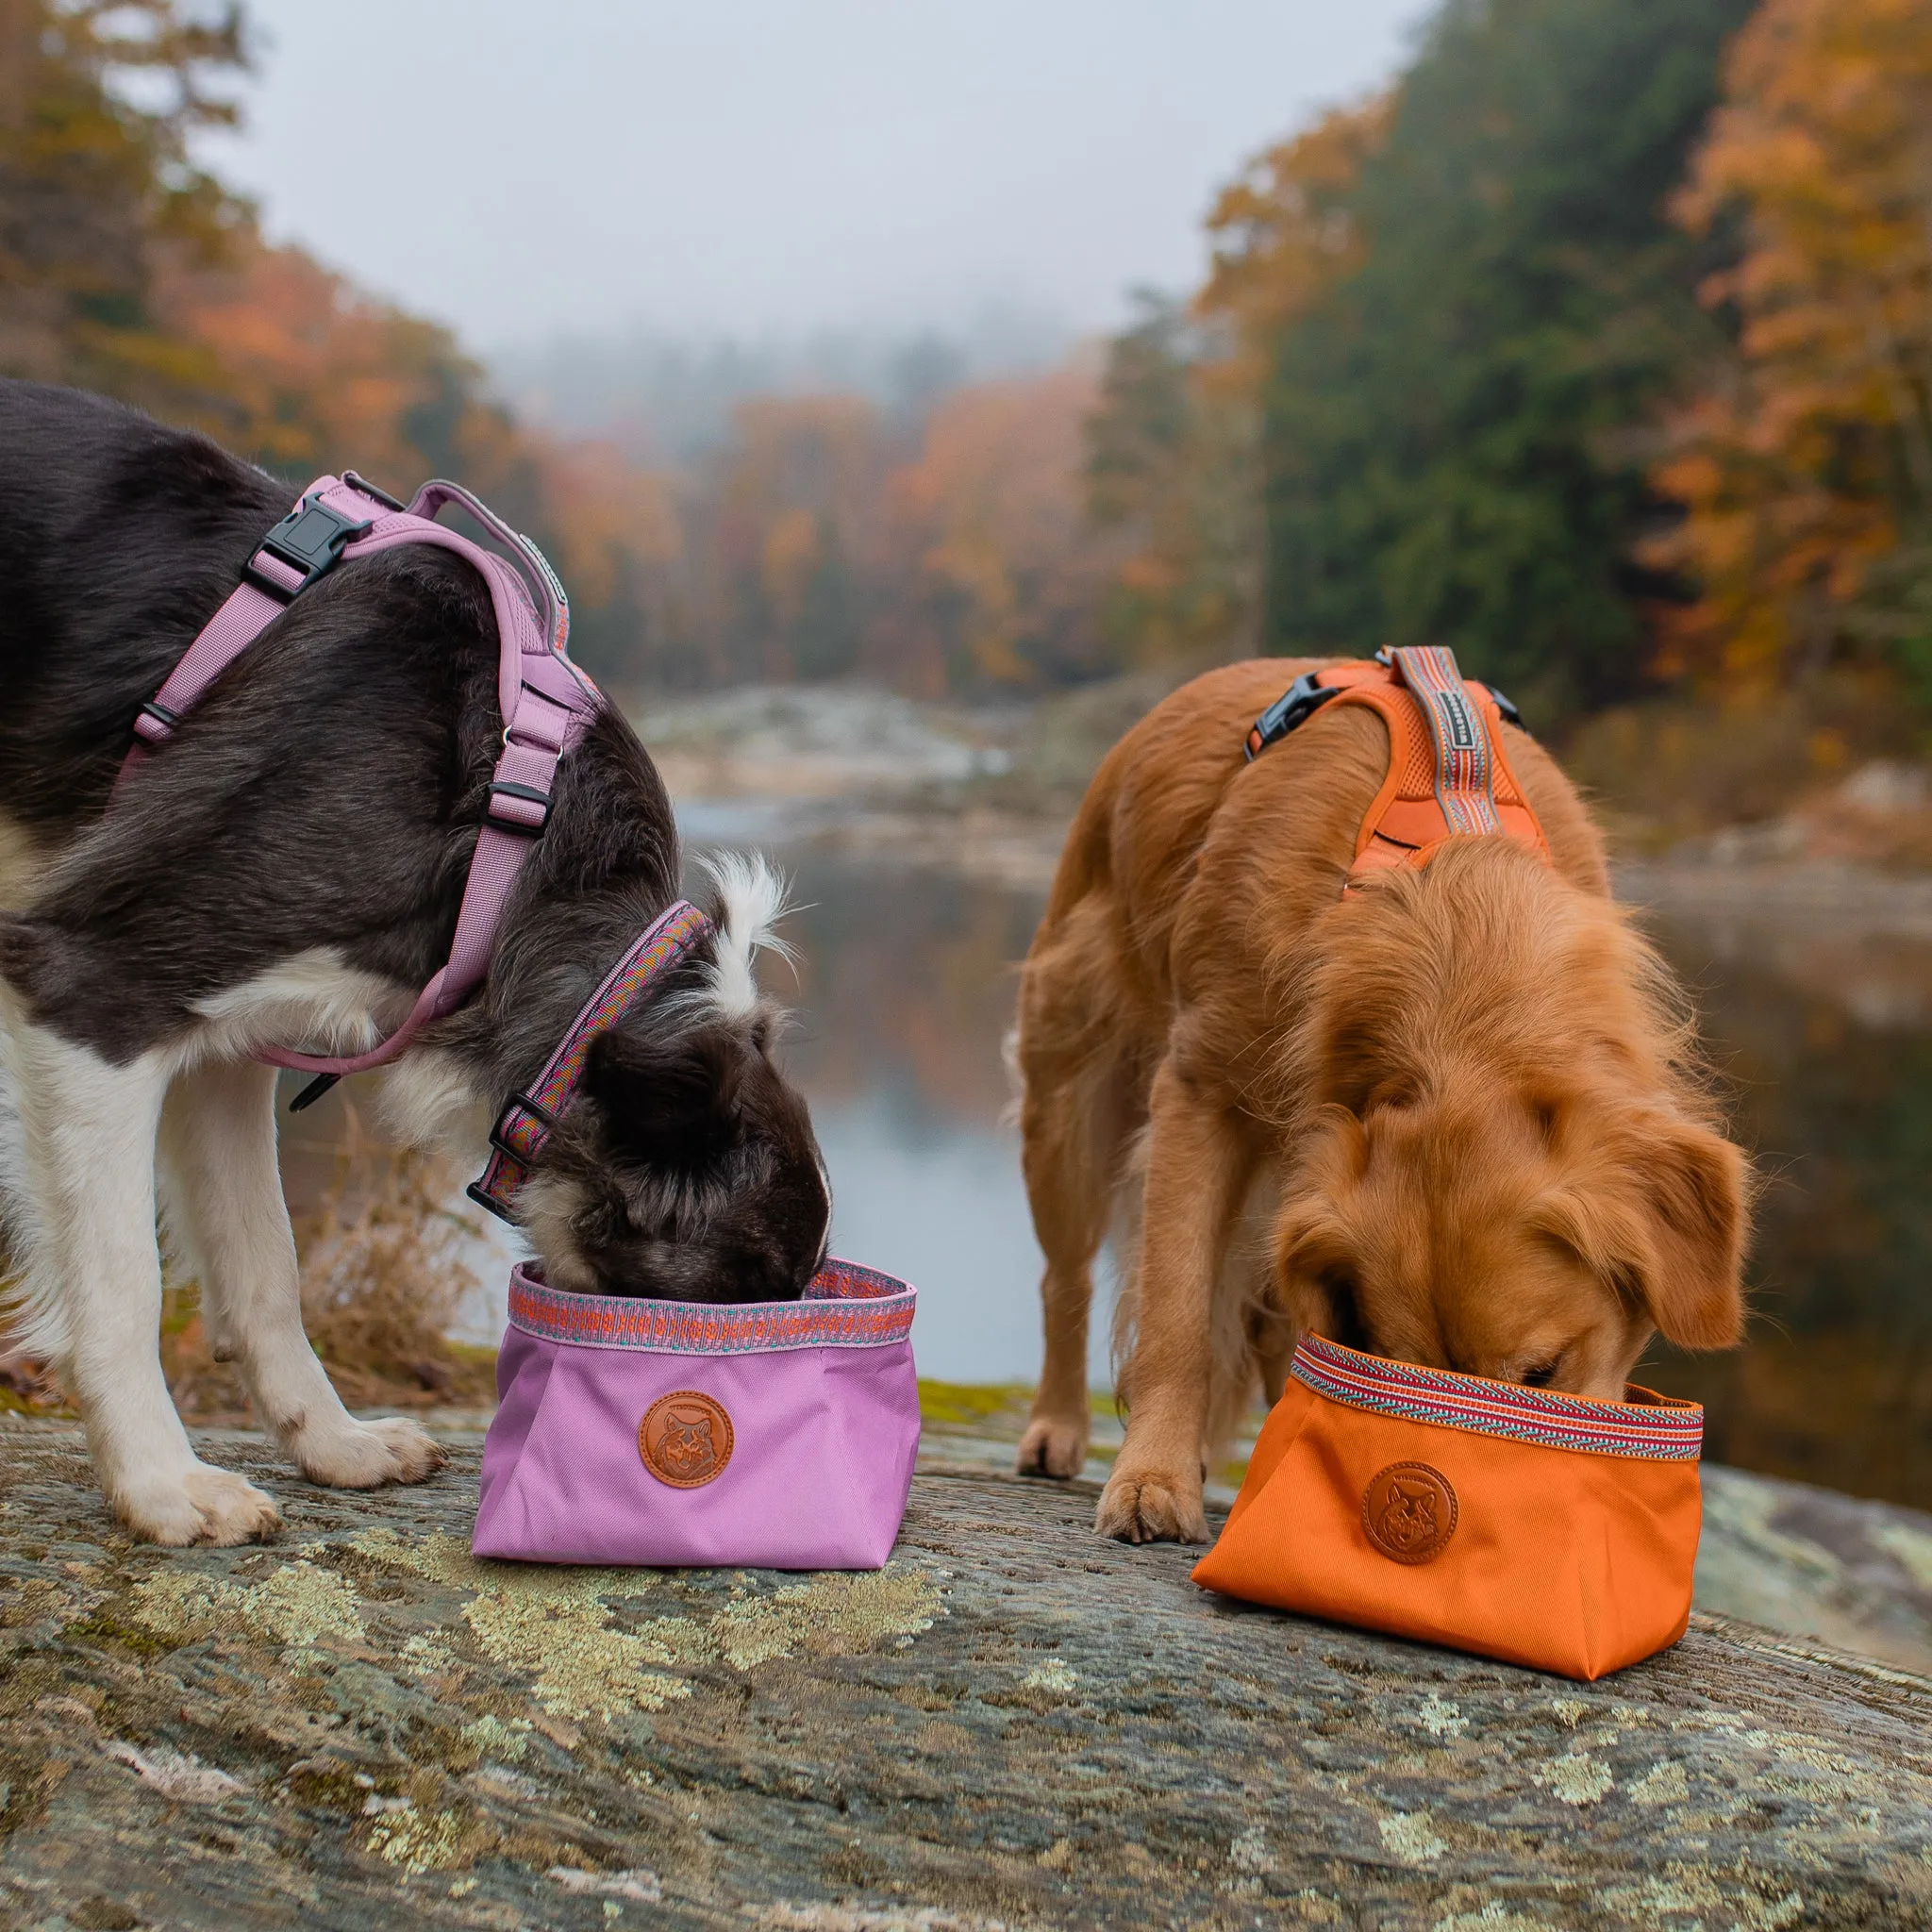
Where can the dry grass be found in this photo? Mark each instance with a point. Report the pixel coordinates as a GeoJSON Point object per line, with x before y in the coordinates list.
{"type": "Point", "coordinates": [383, 1274]}
{"type": "Point", "coordinates": [1675, 769]}
{"type": "Point", "coordinates": [384, 1270]}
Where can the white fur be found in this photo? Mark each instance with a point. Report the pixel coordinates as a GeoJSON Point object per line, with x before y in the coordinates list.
{"type": "Point", "coordinates": [752, 900]}
{"type": "Point", "coordinates": [223, 1193]}
{"type": "Point", "coordinates": [427, 1099]}
{"type": "Point", "coordinates": [547, 1204]}
{"type": "Point", "coordinates": [83, 1182]}
{"type": "Point", "coordinates": [91, 1296]}
{"type": "Point", "coordinates": [315, 1001]}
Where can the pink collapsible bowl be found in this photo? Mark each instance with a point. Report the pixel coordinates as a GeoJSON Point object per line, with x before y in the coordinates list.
{"type": "Point", "coordinates": [757, 1434]}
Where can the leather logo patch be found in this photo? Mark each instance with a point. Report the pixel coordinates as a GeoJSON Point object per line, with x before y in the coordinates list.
{"type": "Point", "coordinates": [1408, 1511]}
{"type": "Point", "coordinates": [684, 1438]}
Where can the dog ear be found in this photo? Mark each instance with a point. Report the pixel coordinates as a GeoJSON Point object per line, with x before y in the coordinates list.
{"type": "Point", "coordinates": [1693, 1183]}
{"type": "Point", "coordinates": [1664, 1218]}
{"type": "Point", "coordinates": [668, 1104]}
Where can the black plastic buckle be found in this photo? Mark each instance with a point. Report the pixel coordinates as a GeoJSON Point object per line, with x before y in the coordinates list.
{"type": "Point", "coordinates": [161, 714]}
{"type": "Point", "coordinates": [501, 788]}
{"type": "Point", "coordinates": [1510, 714]}
{"type": "Point", "coordinates": [1299, 701]}
{"type": "Point", "coordinates": [520, 1103]}
{"type": "Point", "coordinates": [310, 539]}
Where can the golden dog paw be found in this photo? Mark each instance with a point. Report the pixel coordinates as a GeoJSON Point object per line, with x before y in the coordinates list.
{"type": "Point", "coordinates": [1152, 1507]}
{"type": "Point", "coordinates": [1053, 1446]}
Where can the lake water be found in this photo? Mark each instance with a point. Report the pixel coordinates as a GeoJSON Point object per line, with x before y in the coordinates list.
{"type": "Point", "coordinates": [906, 989]}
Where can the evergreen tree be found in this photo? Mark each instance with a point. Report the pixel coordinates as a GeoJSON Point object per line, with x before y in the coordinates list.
{"type": "Point", "coordinates": [1455, 439]}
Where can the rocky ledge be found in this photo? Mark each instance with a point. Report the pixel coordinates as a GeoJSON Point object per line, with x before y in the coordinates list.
{"type": "Point", "coordinates": [1014, 1724]}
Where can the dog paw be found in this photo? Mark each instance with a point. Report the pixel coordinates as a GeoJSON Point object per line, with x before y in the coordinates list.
{"type": "Point", "coordinates": [1052, 1447]}
{"type": "Point", "coordinates": [1149, 1506]}
{"type": "Point", "coordinates": [366, 1456]}
{"type": "Point", "coordinates": [204, 1505]}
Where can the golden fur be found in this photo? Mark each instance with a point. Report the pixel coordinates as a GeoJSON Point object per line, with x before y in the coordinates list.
{"type": "Point", "coordinates": [1453, 1118]}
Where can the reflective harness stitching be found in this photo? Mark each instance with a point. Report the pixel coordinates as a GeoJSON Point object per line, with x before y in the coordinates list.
{"type": "Point", "coordinates": [1464, 781]}
{"type": "Point", "coordinates": [528, 1119]}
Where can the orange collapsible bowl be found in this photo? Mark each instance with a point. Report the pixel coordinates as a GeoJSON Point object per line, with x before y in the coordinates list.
{"type": "Point", "coordinates": [1544, 1529]}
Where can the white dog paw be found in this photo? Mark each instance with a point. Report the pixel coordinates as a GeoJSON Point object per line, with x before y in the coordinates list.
{"type": "Point", "coordinates": [366, 1456]}
{"type": "Point", "coordinates": [203, 1505]}
{"type": "Point", "coordinates": [1053, 1447]}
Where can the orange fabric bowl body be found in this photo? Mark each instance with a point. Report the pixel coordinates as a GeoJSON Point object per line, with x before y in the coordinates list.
{"type": "Point", "coordinates": [1539, 1528]}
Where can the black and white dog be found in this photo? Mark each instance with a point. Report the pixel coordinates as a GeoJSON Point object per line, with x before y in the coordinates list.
{"type": "Point", "coordinates": [287, 873]}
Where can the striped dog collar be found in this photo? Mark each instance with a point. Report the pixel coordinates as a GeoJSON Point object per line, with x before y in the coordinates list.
{"type": "Point", "coordinates": [527, 1119]}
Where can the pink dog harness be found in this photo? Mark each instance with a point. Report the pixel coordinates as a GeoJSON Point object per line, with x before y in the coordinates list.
{"type": "Point", "coordinates": [548, 704]}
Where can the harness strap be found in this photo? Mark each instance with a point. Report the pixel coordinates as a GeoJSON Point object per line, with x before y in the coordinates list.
{"type": "Point", "coordinates": [1465, 779]}
{"type": "Point", "coordinates": [1449, 773]}
{"type": "Point", "coordinates": [546, 701]}
{"type": "Point", "coordinates": [527, 1119]}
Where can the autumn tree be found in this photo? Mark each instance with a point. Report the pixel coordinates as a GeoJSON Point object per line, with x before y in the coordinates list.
{"type": "Point", "coordinates": [993, 574]}
{"type": "Point", "coordinates": [779, 525]}
{"type": "Point", "coordinates": [1805, 462]}
{"type": "Point", "coordinates": [1284, 233]}
{"type": "Point", "coordinates": [97, 192]}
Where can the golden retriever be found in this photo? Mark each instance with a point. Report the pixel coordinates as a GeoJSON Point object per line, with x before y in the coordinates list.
{"type": "Point", "coordinates": [1454, 1117]}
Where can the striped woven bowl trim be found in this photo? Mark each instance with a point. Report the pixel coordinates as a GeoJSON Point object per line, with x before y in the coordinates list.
{"type": "Point", "coordinates": [1657, 1428]}
{"type": "Point", "coordinates": [845, 1306]}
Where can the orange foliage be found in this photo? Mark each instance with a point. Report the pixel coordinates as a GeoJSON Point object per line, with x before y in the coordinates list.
{"type": "Point", "coordinates": [609, 518]}
{"type": "Point", "coordinates": [311, 368]}
{"type": "Point", "coordinates": [826, 539]}
{"type": "Point", "coordinates": [1284, 231]}
{"type": "Point", "coordinates": [997, 571]}
{"type": "Point", "coordinates": [1174, 468]}
{"type": "Point", "coordinates": [307, 373]}
{"type": "Point", "coordinates": [1811, 454]}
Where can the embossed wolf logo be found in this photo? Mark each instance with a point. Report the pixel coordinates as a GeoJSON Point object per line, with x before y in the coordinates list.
{"type": "Point", "coordinates": [687, 1448]}
{"type": "Point", "coordinates": [1407, 1518]}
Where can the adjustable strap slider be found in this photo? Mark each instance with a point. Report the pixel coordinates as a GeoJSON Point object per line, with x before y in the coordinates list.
{"type": "Point", "coordinates": [499, 1135]}
{"type": "Point", "coordinates": [518, 807]}
{"type": "Point", "coordinates": [153, 724]}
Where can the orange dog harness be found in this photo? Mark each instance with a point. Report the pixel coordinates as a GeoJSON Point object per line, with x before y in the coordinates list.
{"type": "Point", "coordinates": [1546, 1529]}
{"type": "Point", "coordinates": [1448, 772]}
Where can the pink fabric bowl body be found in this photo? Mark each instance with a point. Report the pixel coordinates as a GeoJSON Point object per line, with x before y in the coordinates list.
{"type": "Point", "coordinates": [799, 1426]}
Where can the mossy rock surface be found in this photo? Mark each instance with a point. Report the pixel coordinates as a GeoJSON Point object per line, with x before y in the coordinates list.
{"type": "Point", "coordinates": [1015, 1724]}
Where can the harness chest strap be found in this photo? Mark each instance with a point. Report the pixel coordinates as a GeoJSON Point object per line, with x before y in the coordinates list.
{"type": "Point", "coordinates": [1449, 773]}
{"type": "Point", "coordinates": [547, 702]}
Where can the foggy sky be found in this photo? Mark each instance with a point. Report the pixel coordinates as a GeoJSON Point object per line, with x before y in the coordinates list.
{"type": "Point", "coordinates": [775, 166]}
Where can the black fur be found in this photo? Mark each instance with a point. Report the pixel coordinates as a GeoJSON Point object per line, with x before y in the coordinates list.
{"type": "Point", "coordinates": [327, 792]}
